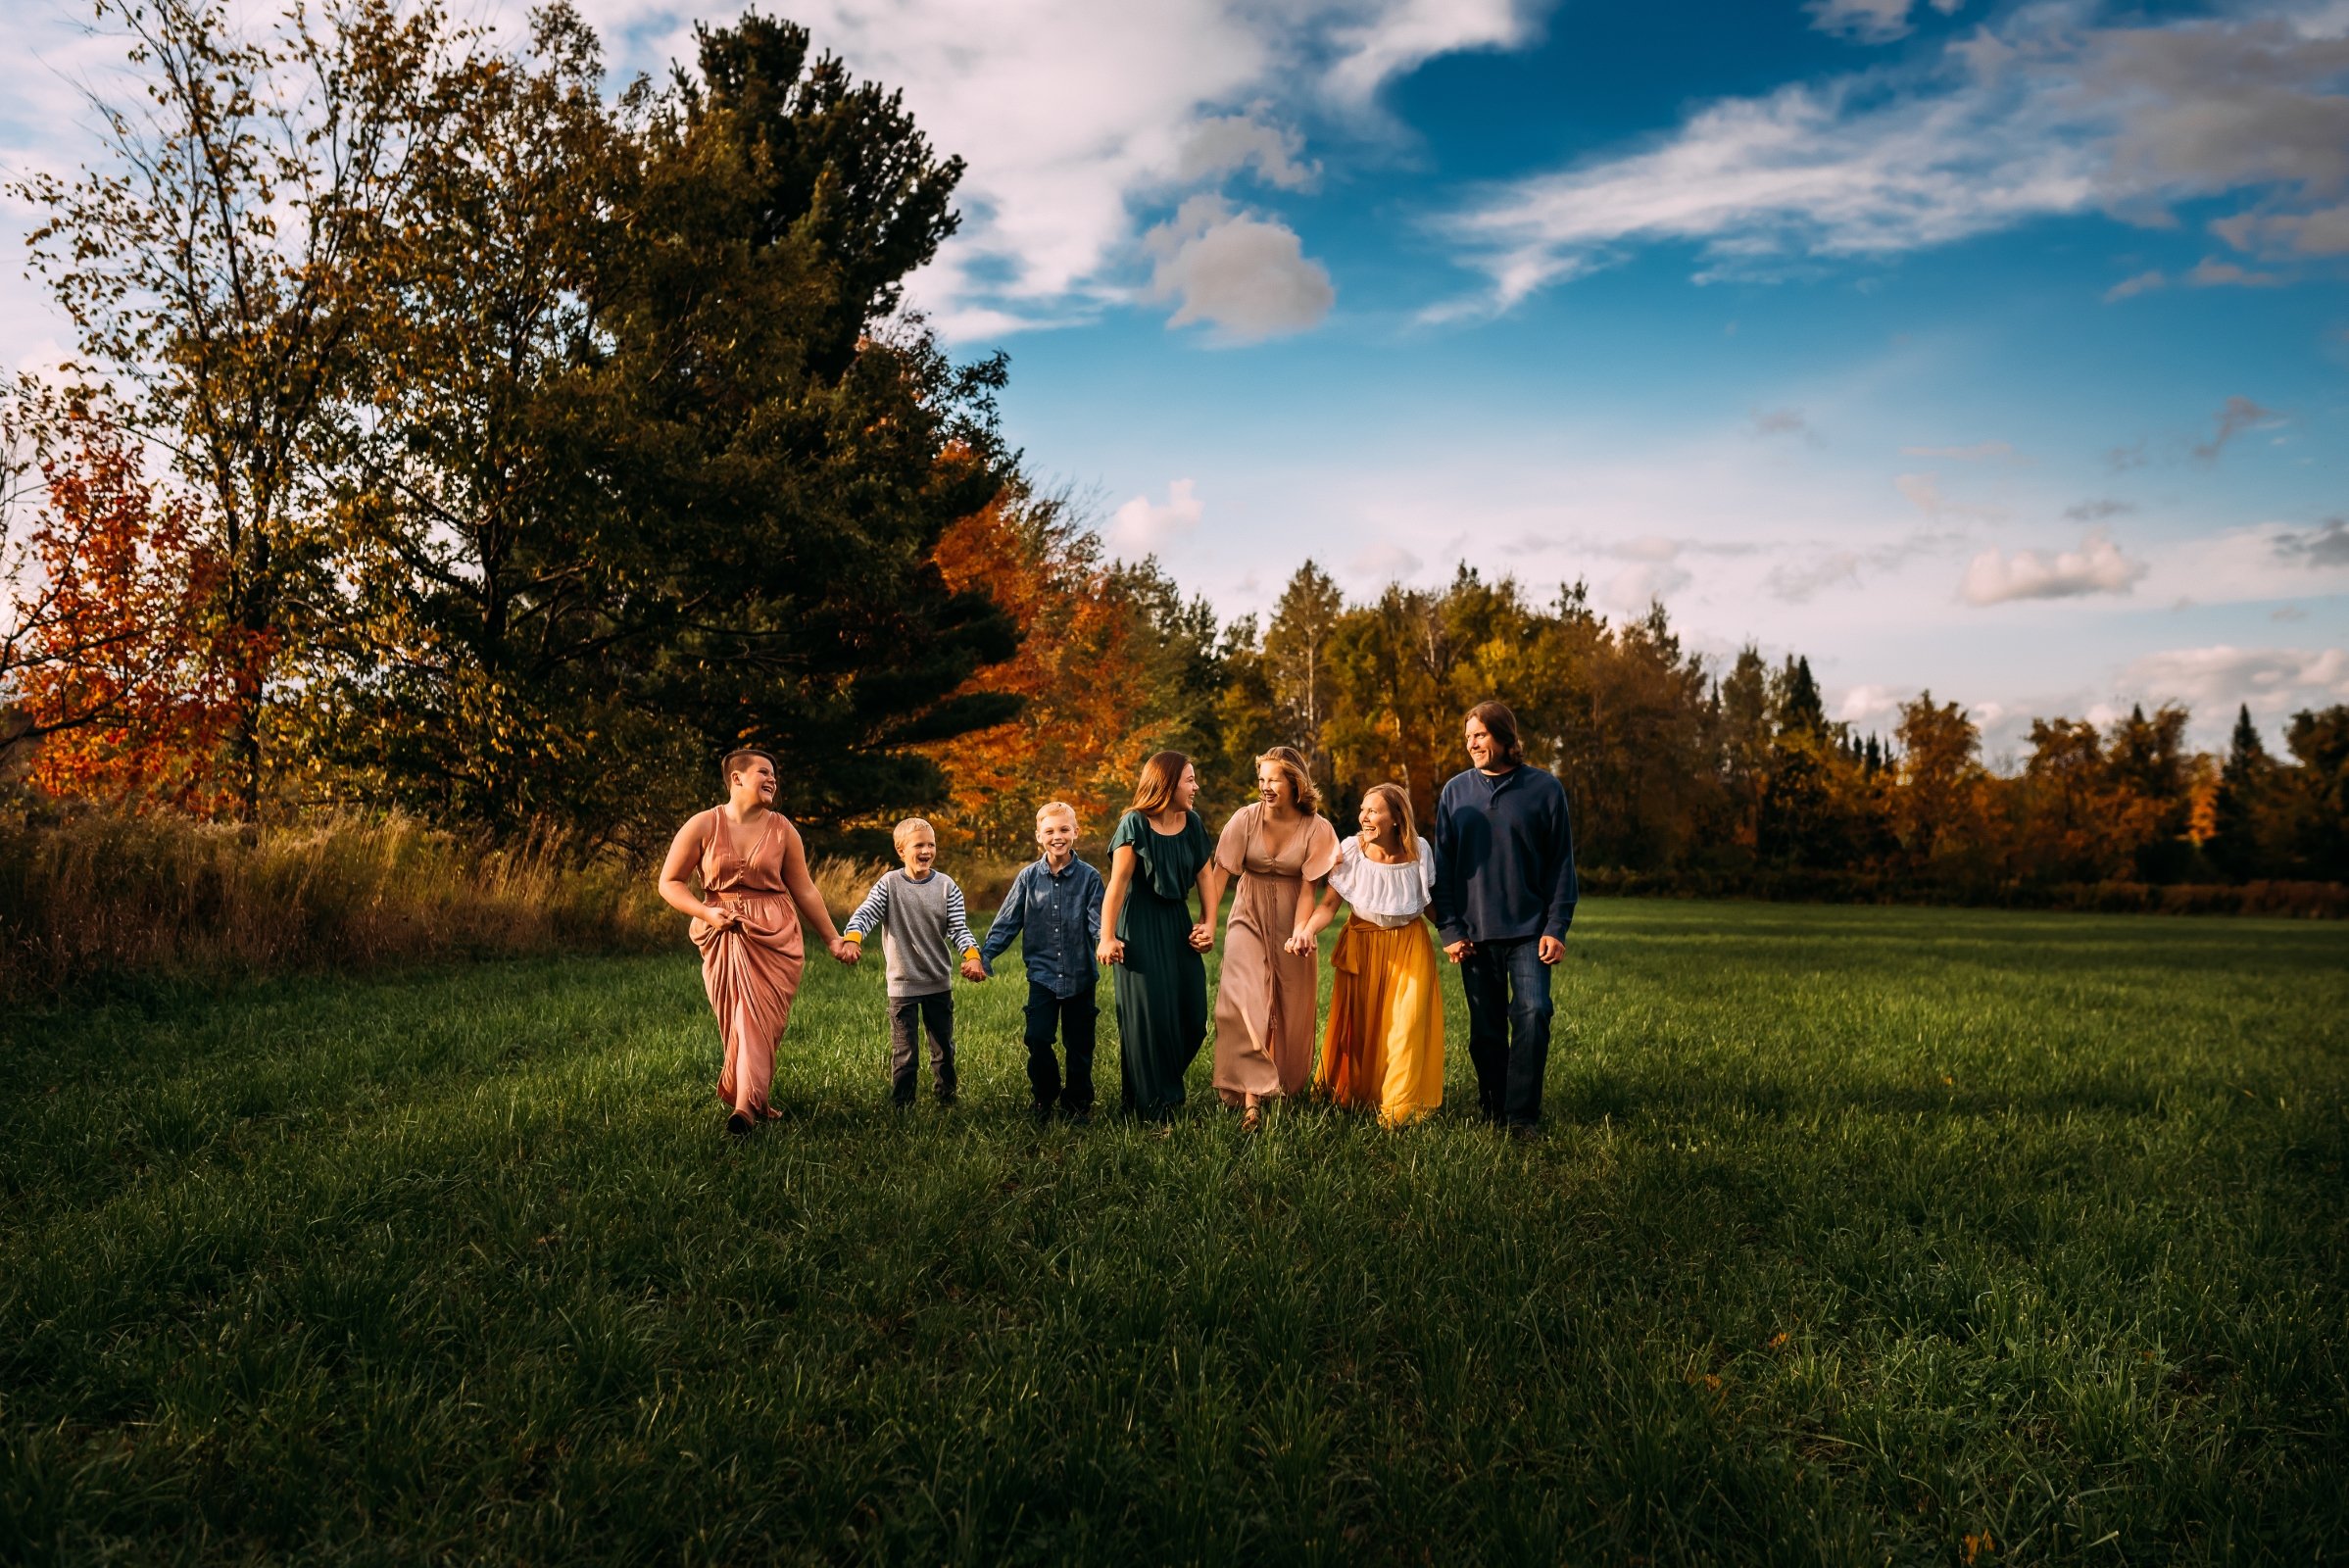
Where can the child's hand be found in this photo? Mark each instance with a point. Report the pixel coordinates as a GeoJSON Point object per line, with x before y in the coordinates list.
{"type": "Point", "coordinates": [844, 950]}
{"type": "Point", "coordinates": [1111, 951]}
{"type": "Point", "coordinates": [973, 969]}
{"type": "Point", "coordinates": [1203, 937]}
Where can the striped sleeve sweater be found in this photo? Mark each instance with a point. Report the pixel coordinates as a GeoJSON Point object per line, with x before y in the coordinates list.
{"type": "Point", "coordinates": [923, 929]}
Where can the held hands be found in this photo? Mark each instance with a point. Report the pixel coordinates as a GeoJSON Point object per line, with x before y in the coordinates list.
{"type": "Point", "coordinates": [1458, 952]}
{"type": "Point", "coordinates": [1299, 943]}
{"type": "Point", "coordinates": [973, 969]}
{"type": "Point", "coordinates": [1203, 937]}
{"type": "Point", "coordinates": [844, 950]}
{"type": "Point", "coordinates": [1550, 950]}
{"type": "Point", "coordinates": [1111, 951]}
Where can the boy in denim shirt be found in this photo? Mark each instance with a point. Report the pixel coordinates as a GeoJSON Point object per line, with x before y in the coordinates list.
{"type": "Point", "coordinates": [1057, 902]}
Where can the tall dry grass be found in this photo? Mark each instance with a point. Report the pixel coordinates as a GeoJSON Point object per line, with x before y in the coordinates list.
{"type": "Point", "coordinates": [98, 894]}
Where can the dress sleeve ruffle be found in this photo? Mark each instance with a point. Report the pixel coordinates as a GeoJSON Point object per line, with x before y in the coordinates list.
{"type": "Point", "coordinates": [1321, 849]}
{"type": "Point", "coordinates": [1231, 847]}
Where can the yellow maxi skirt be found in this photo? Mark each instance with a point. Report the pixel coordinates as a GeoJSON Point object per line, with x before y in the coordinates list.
{"type": "Point", "coordinates": [1384, 1046]}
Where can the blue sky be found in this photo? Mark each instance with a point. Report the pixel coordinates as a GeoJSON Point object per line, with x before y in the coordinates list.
{"type": "Point", "coordinates": [1996, 349]}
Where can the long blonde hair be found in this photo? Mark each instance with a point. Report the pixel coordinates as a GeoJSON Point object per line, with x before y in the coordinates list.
{"type": "Point", "coordinates": [1398, 805]}
{"type": "Point", "coordinates": [1300, 780]}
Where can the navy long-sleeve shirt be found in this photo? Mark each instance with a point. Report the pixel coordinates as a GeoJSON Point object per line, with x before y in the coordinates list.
{"type": "Point", "coordinates": [1058, 914]}
{"type": "Point", "coordinates": [1504, 857]}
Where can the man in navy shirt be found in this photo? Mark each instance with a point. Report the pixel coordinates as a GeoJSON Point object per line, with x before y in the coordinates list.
{"type": "Point", "coordinates": [1505, 897]}
{"type": "Point", "coordinates": [1055, 907]}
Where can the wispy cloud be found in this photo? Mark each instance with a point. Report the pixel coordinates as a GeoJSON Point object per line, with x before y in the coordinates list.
{"type": "Point", "coordinates": [2236, 415]}
{"type": "Point", "coordinates": [2041, 117]}
{"type": "Point", "coordinates": [1978, 452]}
{"type": "Point", "coordinates": [2267, 680]}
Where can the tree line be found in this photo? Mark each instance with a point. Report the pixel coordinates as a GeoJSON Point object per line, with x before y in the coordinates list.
{"type": "Point", "coordinates": [1681, 774]}
{"type": "Point", "coordinates": [447, 435]}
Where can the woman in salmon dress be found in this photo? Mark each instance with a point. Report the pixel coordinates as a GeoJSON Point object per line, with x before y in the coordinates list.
{"type": "Point", "coordinates": [756, 894]}
{"type": "Point", "coordinates": [1383, 1048]}
{"type": "Point", "coordinates": [1279, 848]}
{"type": "Point", "coordinates": [1158, 852]}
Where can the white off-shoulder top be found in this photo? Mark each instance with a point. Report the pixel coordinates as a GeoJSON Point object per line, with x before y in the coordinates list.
{"type": "Point", "coordinates": [1386, 896]}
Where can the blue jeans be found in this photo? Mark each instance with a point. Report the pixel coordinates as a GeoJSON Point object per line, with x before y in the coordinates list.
{"type": "Point", "coordinates": [1508, 1027]}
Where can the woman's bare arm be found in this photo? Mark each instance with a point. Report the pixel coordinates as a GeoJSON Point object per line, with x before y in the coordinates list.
{"type": "Point", "coordinates": [802, 884]}
{"type": "Point", "coordinates": [1114, 901]}
{"type": "Point", "coordinates": [1211, 881]}
{"type": "Point", "coordinates": [1313, 917]}
{"type": "Point", "coordinates": [684, 853]}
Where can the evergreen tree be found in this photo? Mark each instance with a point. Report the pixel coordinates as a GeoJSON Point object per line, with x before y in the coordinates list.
{"type": "Point", "coordinates": [2242, 809]}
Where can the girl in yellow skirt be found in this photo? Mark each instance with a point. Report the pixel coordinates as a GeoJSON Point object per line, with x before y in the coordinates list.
{"type": "Point", "coordinates": [1384, 1046]}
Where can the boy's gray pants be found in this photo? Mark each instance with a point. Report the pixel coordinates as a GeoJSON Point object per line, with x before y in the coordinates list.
{"type": "Point", "coordinates": [935, 1017]}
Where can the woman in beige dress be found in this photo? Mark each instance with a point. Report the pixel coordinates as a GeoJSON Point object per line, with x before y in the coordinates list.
{"type": "Point", "coordinates": [1279, 848]}
{"type": "Point", "coordinates": [756, 893]}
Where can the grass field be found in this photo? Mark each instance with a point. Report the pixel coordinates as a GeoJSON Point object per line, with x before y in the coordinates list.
{"type": "Point", "coordinates": [1859, 1236]}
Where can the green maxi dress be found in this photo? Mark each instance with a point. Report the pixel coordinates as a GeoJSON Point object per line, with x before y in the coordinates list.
{"type": "Point", "coordinates": [1162, 986]}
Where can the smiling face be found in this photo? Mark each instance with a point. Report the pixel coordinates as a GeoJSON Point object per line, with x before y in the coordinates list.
{"type": "Point", "coordinates": [1378, 822]}
{"type": "Point", "coordinates": [918, 851]}
{"type": "Point", "coordinates": [1274, 787]}
{"type": "Point", "coordinates": [1482, 751]}
{"type": "Point", "coordinates": [752, 783]}
{"type": "Point", "coordinates": [1187, 787]}
{"type": "Point", "coordinates": [1057, 836]}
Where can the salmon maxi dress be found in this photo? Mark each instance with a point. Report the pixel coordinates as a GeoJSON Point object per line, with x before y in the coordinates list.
{"type": "Point", "coordinates": [1265, 999]}
{"type": "Point", "coordinates": [1384, 1047]}
{"type": "Point", "coordinates": [751, 969]}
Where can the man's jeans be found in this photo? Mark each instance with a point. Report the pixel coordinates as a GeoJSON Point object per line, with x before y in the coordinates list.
{"type": "Point", "coordinates": [1508, 1027]}
{"type": "Point", "coordinates": [932, 1015]}
{"type": "Point", "coordinates": [1072, 1019]}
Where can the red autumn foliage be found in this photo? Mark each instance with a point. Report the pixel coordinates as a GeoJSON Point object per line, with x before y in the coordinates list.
{"type": "Point", "coordinates": [120, 675]}
{"type": "Point", "coordinates": [1084, 731]}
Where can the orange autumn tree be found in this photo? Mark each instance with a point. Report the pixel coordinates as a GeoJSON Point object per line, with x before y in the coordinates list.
{"type": "Point", "coordinates": [1084, 728]}
{"type": "Point", "coordinates": [118, 676]}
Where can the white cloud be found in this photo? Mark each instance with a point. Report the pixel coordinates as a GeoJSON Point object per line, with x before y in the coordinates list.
{"type": "Point", "coordinates": [1635, 587]}
{"type": "Point", "coordinates": [1247, 277]}
{"type": "Point", "coordinates": [2324, 232]}
{"type": "Point", "coordinates": [2211, 273]}
{"type": "Point", "coordinates": [1143, 527]}
{"type": "Point", "coordinates": [1386, 562]}
{"type": "Point", "coordinates": [1080, 119]}
{"type": "Point", "coordinates": [1222, 144]}
{"type": "Point", "coordinates": [1386, 39]}
{"type": "Point", "coordinates": [2097, 567]}
{"type": "Point", "coordinates": [1786, 422]}
{"type": "Point", "coordinates": [2138, 283]}
{"type": "Point", "coordinates": [1866, 705]}
{"type": "Point", "coordinates": [2044, 116]}
{"type": "Point", "coordinates": [1868, 21]}
{"type": "Point", "coordinates": [2267, 680]}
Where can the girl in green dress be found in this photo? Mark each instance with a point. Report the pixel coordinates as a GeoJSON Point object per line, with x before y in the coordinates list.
{"type": "Point", "coordinates": [1158, 854]}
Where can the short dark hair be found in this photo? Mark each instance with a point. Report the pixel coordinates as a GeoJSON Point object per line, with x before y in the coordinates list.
{"type": "Point", "coordinates": [1501, 725]}
{"type": "Point", "coordinates": [737, 759]}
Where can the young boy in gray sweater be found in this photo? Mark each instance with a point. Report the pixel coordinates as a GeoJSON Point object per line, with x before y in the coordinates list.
{"type": "Point", "coordinates": [918, 910]}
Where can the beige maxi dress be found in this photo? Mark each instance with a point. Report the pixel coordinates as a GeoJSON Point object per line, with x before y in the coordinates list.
{"type": "Point", "coordinates": [751, 969]}
{"type": "Point", "coordinates": [1264, 1000]}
